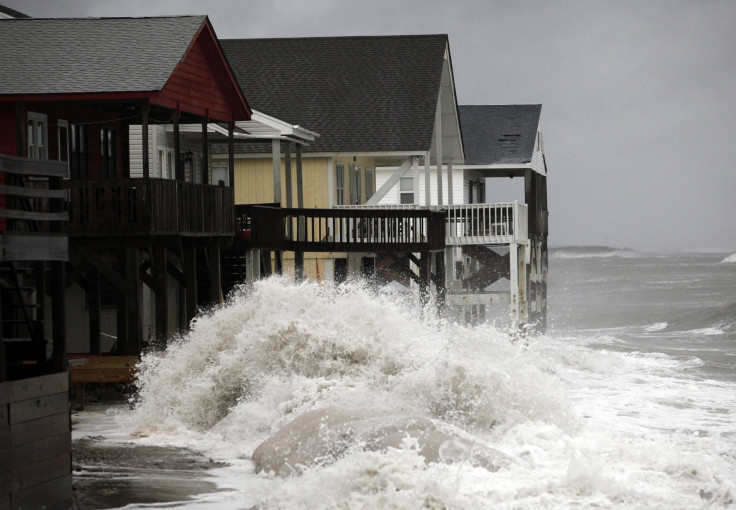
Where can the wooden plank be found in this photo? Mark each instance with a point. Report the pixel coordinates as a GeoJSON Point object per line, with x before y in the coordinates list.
{"type": "Point", "coordinates": [94, 362]}
{"type": "Point", "coordinates": [32, 167]}
{"type": "Point", "coordinates": [23, 191]}
{"type": "Point", "coordinates": [38, 407]}
{"type": "Point", "coordinates": [31, 474]}
{"type": "Point", "coordinates": [34, 247]}
{"type": "Point", "coordinates": [33, 216]}
{"type": "Point", "coordinates": [4, 392]}
{"type": "Point", "coordinates": [50, 494]}
{"type": "Point", "coordinates": [39, 451]}
{"type": "Point", "coordinates": [41, 428]}
{"type": "Point", "coordinates": [103, 375]}
{"type": "Point", "coordinates": [6, 485]}
{"type": "Point", "coordinates": [33, 387]}
{"type": "Point", "coordinates": [4, 438]}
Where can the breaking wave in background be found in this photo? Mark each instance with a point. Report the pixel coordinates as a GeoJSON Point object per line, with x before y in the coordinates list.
{"type": "Point", "coordinates": [583, 252]}
{"type": "Point", "coordinates": [587, 426]}
{"type": "Point", "coordinates": [731, 259]}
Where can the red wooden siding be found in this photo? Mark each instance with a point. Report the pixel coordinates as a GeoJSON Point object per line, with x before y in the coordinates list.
{"type": "Point", "coordinates": [202, 83]}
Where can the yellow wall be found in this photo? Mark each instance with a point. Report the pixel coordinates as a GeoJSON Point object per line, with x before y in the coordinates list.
{"type": "Point", "coordinates": [254, 181]}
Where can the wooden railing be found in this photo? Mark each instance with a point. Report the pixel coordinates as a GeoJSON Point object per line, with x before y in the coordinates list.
{"type": "Point", "coordinates": [149, 206]}
{"type": "Point", "coordinates": [342, 229]}
{"type": "Point", "coordinates": [32, 209]}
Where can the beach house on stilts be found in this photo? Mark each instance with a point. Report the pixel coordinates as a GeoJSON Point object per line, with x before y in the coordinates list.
{"type": "Point", "coordinates": [390, 135]}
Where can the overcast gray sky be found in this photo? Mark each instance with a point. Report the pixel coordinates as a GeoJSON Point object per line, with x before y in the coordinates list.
{"type": "Point", "coordinates": [639, 97]}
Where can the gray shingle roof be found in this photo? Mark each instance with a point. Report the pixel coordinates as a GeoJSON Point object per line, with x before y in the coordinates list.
{"type": "Point", "coordinates": [359, 93]}
{"type": "Point", "coordinates": [77, 55]}
{"type": "Point", "coordinates": [495, 134]}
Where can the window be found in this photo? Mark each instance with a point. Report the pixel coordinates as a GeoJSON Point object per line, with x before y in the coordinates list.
{"type": "Point", "coordinates": [368, 183]}
{"type": "Point", "coordinates": [78, 151]}
{"type": "Point", "coordinates": [37, 136]}
{"type": "Point", "coordinates": [406, 190]}
{"type": "Point", "coordinates": [354, 184]}
{"type": "Point", "coordinates": [340, 182]}
{"type": "Point", "coordinates": [108, 160]}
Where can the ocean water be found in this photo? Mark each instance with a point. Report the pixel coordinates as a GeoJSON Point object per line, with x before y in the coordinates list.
{"type": "Point", "coordinates": [628, 401]}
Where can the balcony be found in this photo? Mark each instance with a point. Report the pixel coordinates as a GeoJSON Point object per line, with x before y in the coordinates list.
{"type": "Point", "coordinates": [471, 224]}
{"type": "Point", "coordinates": [135, 207]}
{"type": "Point", "coordinates": [341, 230]}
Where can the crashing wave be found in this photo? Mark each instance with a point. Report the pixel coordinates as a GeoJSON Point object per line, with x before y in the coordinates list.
{"type": "Point", "coordinates": [731, 259]}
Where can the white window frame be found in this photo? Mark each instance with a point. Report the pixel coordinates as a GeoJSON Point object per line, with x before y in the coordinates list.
{"type": "Point", "coordinates": [38, 122]}
{"type": "Point", "coordinates": [409, 192]}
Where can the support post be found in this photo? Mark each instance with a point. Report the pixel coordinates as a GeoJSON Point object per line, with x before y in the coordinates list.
{"type": "Point", "coordinates": [204, 166]}
{"type": "Point", "coordinates": [190, 277]}
{"type": "Point", "coordinates": [276, 157]}
{"type": "Point", "coordinates": [450, 190]}
{"type": "Point", "coordinates": [427, 179]}
{"type": "Point", "coordinates": [93, 303]}
{"type": "Point", "coordinates": [162, 301]}
{"type": "Point", "coordinates": [178, 163]}
{"type": "Point", "coordinates": [424, 278]}
{"type": "Point", "coordinates": [132, 343]}
{"type": "Point", "coordinates": [299, 178]}
{"type": "Point", "coordinates": [58, 317]}
{"type": "Point", "coordinates": [144, 140]}
{"type": "Point", "coordinates": [252, 265]}
{"type": "Point", "coordinates": [231, 154]}
{"type": "Point", "coordinates": [213, 256]}
{"type": "Point", "coordinates": [287, 174]}
{"type": "Point", "coordinates": [438, 151]}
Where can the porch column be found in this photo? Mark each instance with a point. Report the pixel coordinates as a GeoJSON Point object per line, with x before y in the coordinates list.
{"type": "Point", "coordinates": [301, 232]}
{"type": "Point", "coordinates": [415, 176]}
{"type": "Point", "coordinates": [213, 258]}
{"type": "Point", "coordinates": [162, 301]}
{"type": "Point", "coordinates": [427, 179]}
{"type": "Point", "coordinates": [178, 163]}
{"type": "Point", "coordinates": [189, 264]}
{"type": "Point", "coordinates": [144, 139]}
{"type": "Point", "coordinates": [58, 317]}
{"type": "Point", "coordinates": [438, 152]}
{"type": "Point", "coordinates": [276, 157]}
{"type": "Point", "coordinates": [449, 184]}
{"type": "Point", "coordinates": [231, 154]}
{"type": "Point", "coordinates": [204, 167]}
{"type": "Point", "coordinates": [287, 174]}
{"type": "Point", "coordinates": [299, 178]}
{"type": "Point", "coordinates": [133, 300]}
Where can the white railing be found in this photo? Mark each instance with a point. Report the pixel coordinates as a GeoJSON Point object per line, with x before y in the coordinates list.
{"type": "Point", "coordinates": [486, 223]}
{"type": "Point", "coordinates": [474, 223]}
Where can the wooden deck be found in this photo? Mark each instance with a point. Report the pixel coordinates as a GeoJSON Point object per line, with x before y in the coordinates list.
{"type": "Point", "coordinates": [340, 230]}
{"type": "Point", "coordinates": [149, 207]}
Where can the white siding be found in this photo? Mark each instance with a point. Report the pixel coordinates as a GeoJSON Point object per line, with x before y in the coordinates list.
{"type": "Point", "coordinates": [158, 138]}
{"type": "Point", "coordinates": [392, 197]}
{"type": "Point", "coordinates": [538, 155]}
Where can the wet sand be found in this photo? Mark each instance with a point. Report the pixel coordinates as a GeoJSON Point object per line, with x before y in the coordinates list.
{"type": "Point", "coordinates": [108, 474]}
